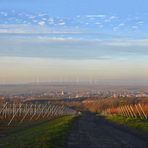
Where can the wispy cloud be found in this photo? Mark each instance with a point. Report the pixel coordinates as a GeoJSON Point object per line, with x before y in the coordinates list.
{"type": "Point", "coordinates": [128, 42]}
{"type": "Point", "coordinates": [31, 29]}
{"type": "Point", "coordinates": [73, 48]}
{"type": "Point", "coordinates": [43, 22]}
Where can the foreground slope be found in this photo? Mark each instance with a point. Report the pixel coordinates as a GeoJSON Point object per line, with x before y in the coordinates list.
{"type": "Point", "coordinates": [49, 134]}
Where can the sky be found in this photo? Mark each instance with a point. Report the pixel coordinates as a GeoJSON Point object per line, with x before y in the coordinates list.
{"type": "Point", "coordinates": [98, 41]}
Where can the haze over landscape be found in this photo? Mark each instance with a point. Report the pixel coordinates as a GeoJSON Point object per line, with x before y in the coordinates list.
{"type": "Point", "coordinates": [74, 41]}
{"type": "Point", "coordinates": [73, 74]}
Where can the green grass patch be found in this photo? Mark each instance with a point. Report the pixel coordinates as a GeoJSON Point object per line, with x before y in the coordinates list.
{"type": "Point", "coordinates": [49, 134]}
{"type": "Point", "coordinates": [141, 125]}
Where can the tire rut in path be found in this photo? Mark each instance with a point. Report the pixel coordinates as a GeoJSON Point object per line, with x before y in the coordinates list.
{"type": "Point", "coordinates": [91, 131]}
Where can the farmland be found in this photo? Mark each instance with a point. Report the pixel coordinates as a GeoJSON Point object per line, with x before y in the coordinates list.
{"type": "Point", "coordinates": [29, 124]}
{"type": "Point", "coordinates": [14, 114]}
{"type": "Point", "coordinates": [40, 134]}
{"type": "Point", "coordinates": [54, 123]}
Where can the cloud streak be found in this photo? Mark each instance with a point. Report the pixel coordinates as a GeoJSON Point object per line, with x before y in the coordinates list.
{"type": "Point", "coordinates": [73, 48]}
{"type": "Point", "coordinates": [42, 22]}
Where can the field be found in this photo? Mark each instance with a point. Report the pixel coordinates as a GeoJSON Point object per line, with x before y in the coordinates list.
{"type": "Point", "coordinates": [140, 125]}
{"type": "Point", "coordinates": [127, 107]}
{"type": "Point", "coordinates": [129, 111]}
{"type": "Point", "coordinates": [45, 134]}
{"type": "Point", "coordinates": [48, 124]}
{"type": "Point", "coordinates": [34, 125]}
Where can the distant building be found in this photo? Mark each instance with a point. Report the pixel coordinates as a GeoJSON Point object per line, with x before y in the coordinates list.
{"type": "Point", "coordinates": [62, 93]}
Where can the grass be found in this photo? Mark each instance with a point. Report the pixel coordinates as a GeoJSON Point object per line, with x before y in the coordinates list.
{"type": "Point", "coordinates": [141, 125]}
{"type": "Point", "coordinates": [49, 134]}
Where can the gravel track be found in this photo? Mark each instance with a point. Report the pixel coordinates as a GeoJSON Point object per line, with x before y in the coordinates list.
{"type": "Point", "coordinates": [91, 131]}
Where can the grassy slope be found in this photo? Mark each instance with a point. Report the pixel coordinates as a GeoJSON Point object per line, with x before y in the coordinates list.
{"type": "Point", "coordinates": [50, 134]}
{"type": "Point", "coordinates": [138, 124]}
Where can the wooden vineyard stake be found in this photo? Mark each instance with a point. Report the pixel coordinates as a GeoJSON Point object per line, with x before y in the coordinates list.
{"type": "Point", "coordinates": [41, 112]}
{"type": "Point", "coordinates": [3, 107]}
{"type": "Point", "coordinates": [14, 114]}
{"type": "Point", "coordinates": [133, 111]}
{"type": "Point", "coordinates": [130, 111]}
{"type": "Point", "coordinates": [144, 114]}
{"type": "Point", "coordinates": [138, 112]}
{"type": "Point", "coordinates": [27, 112]}
{"type": "Point", "coordinates": [35, 112]}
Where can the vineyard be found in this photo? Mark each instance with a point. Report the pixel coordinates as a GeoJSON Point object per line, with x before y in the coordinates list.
{"type": "Point", "coordinates": [27, 124]}
{"type": "Point", "coordinates": [132, 111]}
{"type": "Point", "coordinates": [125, 107]}
{"type": "Point", "coordinates": [16, 114]}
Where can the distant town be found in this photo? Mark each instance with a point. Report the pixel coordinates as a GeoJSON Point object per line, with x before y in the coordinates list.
{"type": "Point", "coordinates": [47, 92]}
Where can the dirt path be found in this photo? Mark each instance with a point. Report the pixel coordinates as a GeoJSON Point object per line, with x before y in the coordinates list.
{"type": "Point", "coordinates": [90, 131]}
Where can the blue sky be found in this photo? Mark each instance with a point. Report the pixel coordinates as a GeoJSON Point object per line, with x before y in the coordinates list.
{"type": "Point", "coordinates": [82, 7]}
{"type": "Point", "coordinates": [98, 40]}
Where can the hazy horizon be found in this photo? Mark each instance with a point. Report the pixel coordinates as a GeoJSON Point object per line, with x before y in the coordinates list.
{"type": "Point", "coordinates": [98, 42]}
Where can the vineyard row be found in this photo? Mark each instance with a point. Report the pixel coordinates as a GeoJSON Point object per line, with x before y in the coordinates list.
{"type": "Point", "coordinates": [20, 112]}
